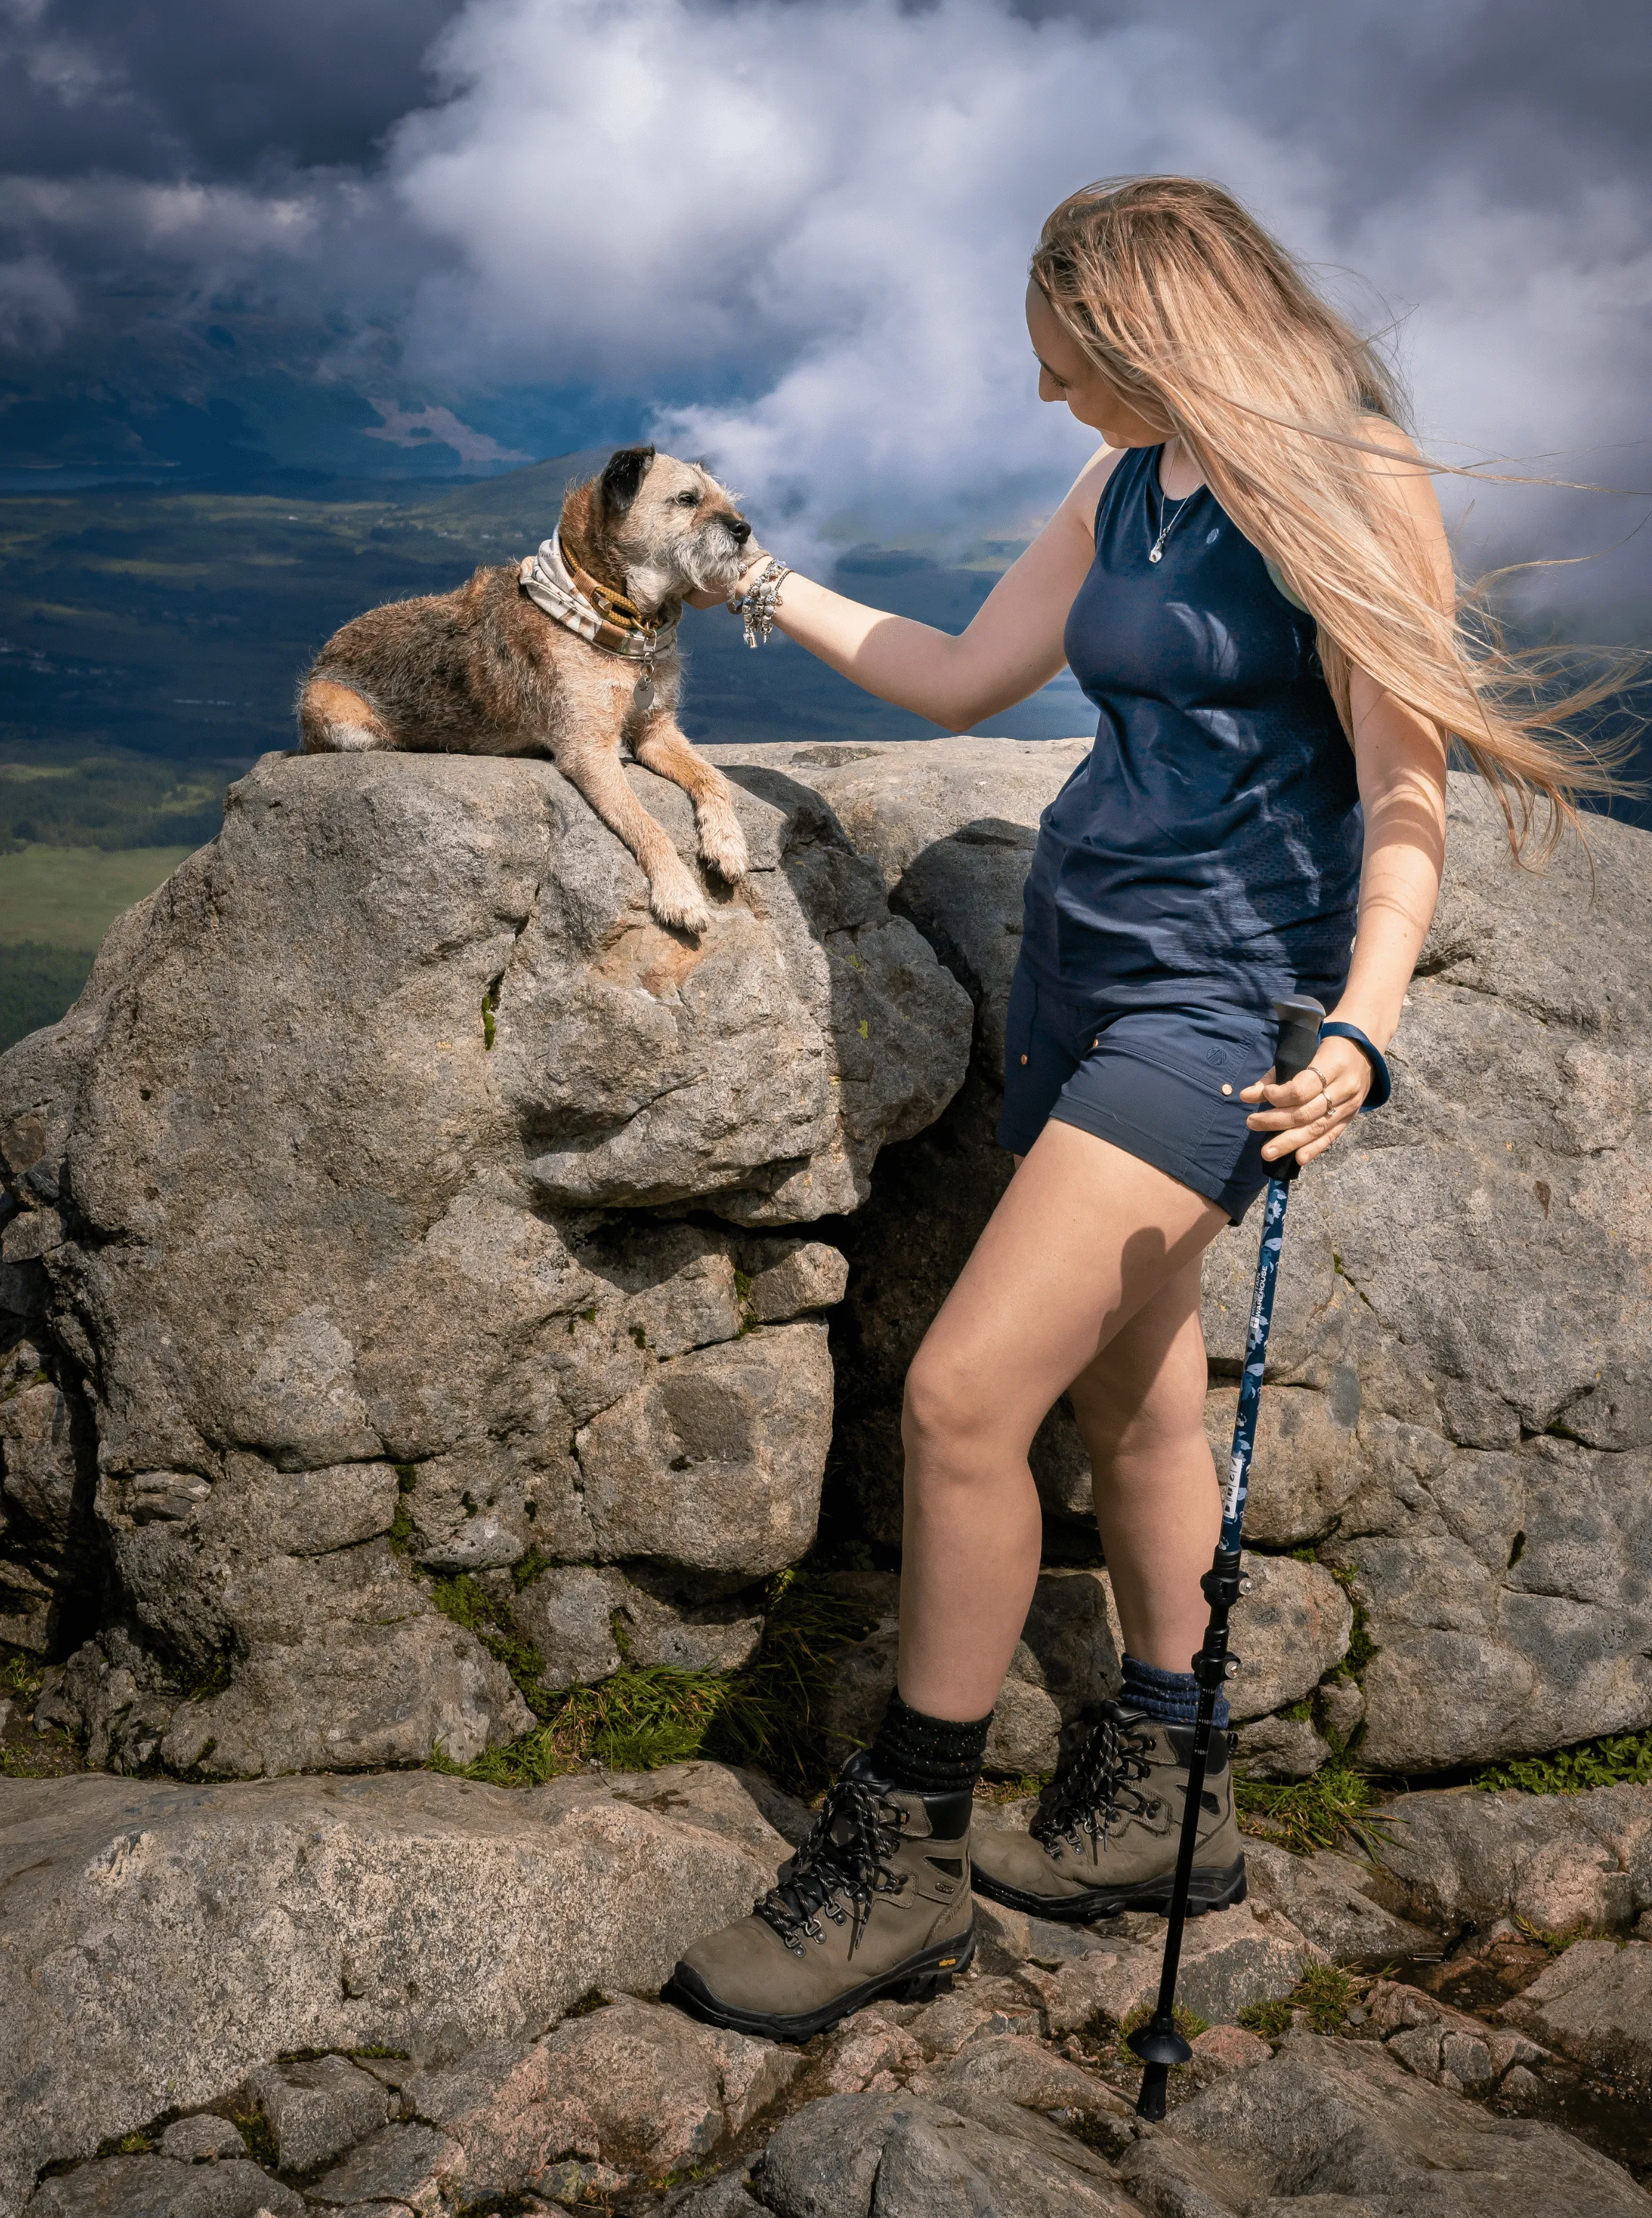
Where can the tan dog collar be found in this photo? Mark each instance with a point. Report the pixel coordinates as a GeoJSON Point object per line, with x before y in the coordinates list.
{"type": "Point", "coordinates": [569, 596]}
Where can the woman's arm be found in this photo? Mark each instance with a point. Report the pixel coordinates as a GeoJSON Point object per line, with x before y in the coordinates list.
{"type": "Point", "coordinates": [1013, 645]}
{"type": "Point", "coordinates": [1400, 761]}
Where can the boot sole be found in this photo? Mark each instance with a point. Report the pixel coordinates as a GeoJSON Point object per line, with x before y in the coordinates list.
{"type": "Point", "coordinates": [918, 1979]}
{"type": "Point", "coordinates": [1212, 1888]}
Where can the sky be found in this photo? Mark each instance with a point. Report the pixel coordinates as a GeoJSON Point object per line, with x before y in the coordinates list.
{"type": "Point", "coordinates": [365, 238]}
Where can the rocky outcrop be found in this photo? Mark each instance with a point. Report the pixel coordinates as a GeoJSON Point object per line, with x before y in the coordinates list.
{"type": "Point", "coordinates": [1458, 1421]}
{"type": "Point", "coordinates": [158, 1941]}
{"type": "Point", "coordinates": [400, 1205]}
{"type": "Point", "coordinates": [411, 1994]}
{"type": "Point", "coordinates": [1560, 1862]}
{"type": "Point", "coordinates": [399, 1199]}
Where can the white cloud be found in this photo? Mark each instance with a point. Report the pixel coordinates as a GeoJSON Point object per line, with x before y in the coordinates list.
{"type": "Point", "coordinates": [829, 209]}
{"type": "Point", "coordinates": [420, 427]}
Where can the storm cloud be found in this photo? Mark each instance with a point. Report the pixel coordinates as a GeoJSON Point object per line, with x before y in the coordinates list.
{"type": "Point", "coordinates": [797, 234]}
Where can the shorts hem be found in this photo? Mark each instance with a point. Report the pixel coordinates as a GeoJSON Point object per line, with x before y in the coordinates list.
{"type": "Point", "coordinates": [1147, 1147]}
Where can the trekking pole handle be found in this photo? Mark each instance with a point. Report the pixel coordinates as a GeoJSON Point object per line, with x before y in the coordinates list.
{"type": "Point", "coordinates": [1299, 1018]}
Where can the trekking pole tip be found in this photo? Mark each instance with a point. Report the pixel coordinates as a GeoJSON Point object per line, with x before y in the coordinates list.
{"type": "Point", "coordinates": [1159, 2045]}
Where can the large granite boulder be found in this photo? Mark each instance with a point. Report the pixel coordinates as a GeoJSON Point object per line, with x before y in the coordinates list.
{"type": "Point", "coordinates": [1458, 1419]}
{"type": "Point", "coordinates": [400, 1199]}
{"type": "Point", "coordinates": [157, 1941]}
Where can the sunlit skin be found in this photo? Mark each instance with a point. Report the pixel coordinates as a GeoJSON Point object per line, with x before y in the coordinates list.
{"type": "Point", "coordinates": [1087, 1278]}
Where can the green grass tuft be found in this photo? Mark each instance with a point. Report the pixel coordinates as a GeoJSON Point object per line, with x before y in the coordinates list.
{"type": "Point", "coordinates": [1620, 1759]}
{"type": "Point", "coordinates": [1309, 1813]}
{"type": "Point", "coordinates": [766, 1714]}
{"type": "Point", "coordinates": [1272, 2020]}
{"type": "Point", "coordinates": [468, 1603]}
{"type": "Point", "coordinates": [1325, 1994]}
{"type": "Point", "coordinates": [1188, 2022]}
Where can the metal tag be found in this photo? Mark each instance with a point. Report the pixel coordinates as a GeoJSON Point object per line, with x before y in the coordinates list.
{"type": "Point", "coordinates": [643, 698]}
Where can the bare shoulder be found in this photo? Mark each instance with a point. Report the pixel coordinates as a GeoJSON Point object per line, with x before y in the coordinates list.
{"type": "Point", "coordinates": [1084, 495]}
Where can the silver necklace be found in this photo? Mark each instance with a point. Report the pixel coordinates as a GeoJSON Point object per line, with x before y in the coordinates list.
{"type": "Point", "coordinates": [1155, 553]}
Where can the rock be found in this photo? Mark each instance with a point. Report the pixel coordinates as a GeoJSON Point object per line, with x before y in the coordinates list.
{"type": "Point", "coordinates": [1558, 1861]}
{"type": "Point", "coordinates": [334, 1914]}
{"type": "Point", "coordinates": [851, 2156]}
{"type": "Point", "coordinates": [1339, 1704]}
{"type": "Point", "coordinates": [977, 2008]}
{"type": "Point", "coordinates": [654, 2090]}
{"type": "Point", "coordinates": [866, 2051]}
{"type": "Point", "coordinates": [1327, 2119]}
{"type": "Point", "coordinates": [745, 1807]}
{"type": "Point", "coordinates": [156, 2187]}
{"type": "Point", "coordinates": [1229, 1960]}
{"type": "Point", "coordinates": [1331, 1901]}
{"type": "Point", "coordinates": [1280, 1748]}
{"type": "Point", "coordinates": [317, 2106]}
{"type": "Point", "coordinates": [410, 2164]}
{"type": "Point", "coordinates": [1230, 2047]}
{"type": "Point", "coordinates": [1457, 1406]}
{"type": "Point", "coordinates": [715, 1462]}
{"type": "Point", "coordinates": [1289, 1630]}
{"type": "Point", "coordinates": [724, 2197]}
{"type": "Point", "coordinates": [807, 1275]}
{"type": "Point", "coordinates": [1307, 1466]}
{"type": "Point", "coordinates": [1019, 2070]}
{"type": "Point", "coordinates": [443, 1323]}
{"type": "Point", "coordinates": [1593, 2004]}
{"type": "Point", "coordinates": [1064, 1661]}
{"type": "Point", "coordinates": [201, 2140]}
{"type": "Point", "coordinates": [47, 1544]}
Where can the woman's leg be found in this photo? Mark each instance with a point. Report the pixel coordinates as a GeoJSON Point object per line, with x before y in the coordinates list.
{"type": "Point", "coordinates": [1140, 1407]}
{"type": "Point", "coordinates": [1086, 1238]}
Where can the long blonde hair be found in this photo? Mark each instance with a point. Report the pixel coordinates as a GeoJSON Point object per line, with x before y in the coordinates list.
{"type": "Point", "coordinates": [1203, 322]}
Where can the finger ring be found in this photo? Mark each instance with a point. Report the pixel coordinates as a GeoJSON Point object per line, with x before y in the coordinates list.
{"type": "Point", "coordinates": [1329, 1105]}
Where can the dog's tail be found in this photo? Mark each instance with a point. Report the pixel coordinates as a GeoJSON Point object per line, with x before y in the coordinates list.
{"type": "Point", "coordinates": [337, 716]}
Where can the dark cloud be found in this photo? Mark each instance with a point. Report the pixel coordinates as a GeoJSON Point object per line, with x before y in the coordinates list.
{"type": "Point", "coordinates": [215, 88]}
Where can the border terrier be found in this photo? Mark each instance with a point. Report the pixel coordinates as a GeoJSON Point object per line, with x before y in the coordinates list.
{"type": "Point", "coordinates": [569, 654]}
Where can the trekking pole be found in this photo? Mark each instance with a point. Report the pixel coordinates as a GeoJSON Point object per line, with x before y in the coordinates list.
{"type": "Point", "coordinates": [1158, 2043]}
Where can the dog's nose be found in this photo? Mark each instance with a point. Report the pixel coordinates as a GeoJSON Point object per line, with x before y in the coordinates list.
{"type": "Point", "coordinates": [740, 527]}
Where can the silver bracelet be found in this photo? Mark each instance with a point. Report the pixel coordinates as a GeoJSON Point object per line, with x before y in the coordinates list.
{"type": "Point", "coordinates": [756, 606]}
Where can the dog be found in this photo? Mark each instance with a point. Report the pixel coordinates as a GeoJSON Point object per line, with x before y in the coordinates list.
{"type": "Point", "coordinates": [568, 654]}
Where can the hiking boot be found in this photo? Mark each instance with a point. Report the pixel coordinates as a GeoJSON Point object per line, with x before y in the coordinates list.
{"type": "Point", "coordinates": [1109, 1839]}
{"type": "Point", "coordinates": [875, 1902]}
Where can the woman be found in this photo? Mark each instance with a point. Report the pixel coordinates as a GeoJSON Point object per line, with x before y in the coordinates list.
{"type": "Point", "coordinates": [1251, 582]}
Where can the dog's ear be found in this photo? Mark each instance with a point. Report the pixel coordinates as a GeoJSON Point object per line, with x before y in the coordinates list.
{"type": "Point", "coordinates": [622, 480]}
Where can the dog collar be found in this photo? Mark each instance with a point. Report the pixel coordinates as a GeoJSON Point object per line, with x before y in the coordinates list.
{"type": "Point", "coordinates": [569, 596]}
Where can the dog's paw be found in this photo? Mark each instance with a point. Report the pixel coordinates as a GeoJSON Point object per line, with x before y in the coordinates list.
{"type": "Point", "coordinates": [722, 844]}
{"type": "Point", "coordinates": [679, 903]}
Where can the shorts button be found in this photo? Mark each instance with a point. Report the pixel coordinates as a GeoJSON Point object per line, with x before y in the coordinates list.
{"type": "Point", "coordinates": [1227, 1089]}
{"type": "Point", "coordinates": [1095, 1042]}
{"type": "Point", "coordinates": [1024, 1058]}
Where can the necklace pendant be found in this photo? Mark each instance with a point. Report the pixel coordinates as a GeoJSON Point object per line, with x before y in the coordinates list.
{"type": "Point", "coordinates": [1155, 553]}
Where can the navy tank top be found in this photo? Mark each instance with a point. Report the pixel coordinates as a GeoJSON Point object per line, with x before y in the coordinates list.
{"type": "Point", "coordinates": [1208, 850]}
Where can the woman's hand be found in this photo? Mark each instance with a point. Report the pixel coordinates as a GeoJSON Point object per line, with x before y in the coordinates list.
{"type": "Point", "coordinates": [717, 597]}
{"type": "Point", "coordinates": [1312, 1111]}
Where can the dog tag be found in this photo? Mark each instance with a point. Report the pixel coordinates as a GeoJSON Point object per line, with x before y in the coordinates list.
{"type": "Point", "coordinates": [643, 698]}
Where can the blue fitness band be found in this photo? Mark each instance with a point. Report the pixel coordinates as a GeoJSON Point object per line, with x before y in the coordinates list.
{"type": "Point", "coordinates": [1382, 1081]}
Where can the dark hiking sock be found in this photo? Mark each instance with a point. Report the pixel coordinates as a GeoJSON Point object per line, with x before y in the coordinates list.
{"type": "Point", "coordinates": [1172, 1695]}
{"type": "Point", "coordinates": [928, 1756]}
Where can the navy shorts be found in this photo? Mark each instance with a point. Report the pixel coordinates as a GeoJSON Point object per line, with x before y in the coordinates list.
{"type": "Point", "coordinates": [1163, 1084]}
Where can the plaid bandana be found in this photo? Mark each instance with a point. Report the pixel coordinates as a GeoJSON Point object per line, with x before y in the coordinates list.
{"type": "Point", "coordinates": [546, 580]}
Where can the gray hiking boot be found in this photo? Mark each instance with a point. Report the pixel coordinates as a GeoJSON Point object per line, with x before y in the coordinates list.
{"type": "Point", "coordinates": [1108, 1841]}
{"type": "Point", "coordinates": [875, 1902]}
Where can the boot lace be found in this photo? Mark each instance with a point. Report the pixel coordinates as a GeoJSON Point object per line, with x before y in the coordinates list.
{"type": "Point", "coordinates": [843, 1863]}
{"type": "Point", "coordinates": [1099, 1789]}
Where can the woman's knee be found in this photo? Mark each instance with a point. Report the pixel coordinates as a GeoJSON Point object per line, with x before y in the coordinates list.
{"type": "Point", "coordinates": [943, 1414]}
